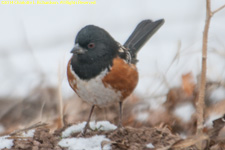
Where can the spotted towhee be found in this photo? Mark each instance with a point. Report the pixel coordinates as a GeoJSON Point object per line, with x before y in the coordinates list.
{"type": "Point", "coordinates": [101, 70]}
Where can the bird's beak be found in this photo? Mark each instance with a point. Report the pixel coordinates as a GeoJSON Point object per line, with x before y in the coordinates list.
{"type": "Point", "coordinates": [78, 50]}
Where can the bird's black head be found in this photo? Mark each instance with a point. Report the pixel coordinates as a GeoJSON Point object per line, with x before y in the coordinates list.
{"type": "Point", "coordinates": [93, 52]}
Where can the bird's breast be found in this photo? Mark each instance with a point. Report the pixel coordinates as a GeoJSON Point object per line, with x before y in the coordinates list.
{"type": "Point", "coordinates": [110, 86]}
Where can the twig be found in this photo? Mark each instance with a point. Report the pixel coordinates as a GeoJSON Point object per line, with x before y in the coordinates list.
{"type": "Point", "coordinates": [60, 122]}
{"type": "Point", "coordinates": [201, 103]}
{"type": "Point", "coordinates": [36, 125]}
{"type": "Point", "coordinates": [218, 9]}
{"type": "Point", "coordinates": [184, 144]}
{"type": "Point", "coordinates": [30, 50]}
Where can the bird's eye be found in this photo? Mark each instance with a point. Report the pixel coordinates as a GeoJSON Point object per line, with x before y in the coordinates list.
{"type": "Point", "coordinates": [91, 45]}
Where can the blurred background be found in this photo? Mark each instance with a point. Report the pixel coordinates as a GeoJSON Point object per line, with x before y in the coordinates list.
{"type": "Point", "coordinates": [35, 44]}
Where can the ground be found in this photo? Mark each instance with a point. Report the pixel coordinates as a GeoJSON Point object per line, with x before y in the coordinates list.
{"type": "Point", "coordinates": [171, 125]}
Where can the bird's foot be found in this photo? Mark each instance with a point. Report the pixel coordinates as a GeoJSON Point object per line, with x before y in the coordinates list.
{"type": "Point", "coordinates": [84, 131]}
{"type": "Point", "coordinates": [120, 128]}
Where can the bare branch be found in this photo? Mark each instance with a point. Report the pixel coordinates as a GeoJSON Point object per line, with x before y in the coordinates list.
{"type": "Point", "coordinates": [218, 9]}
{"type": "Point", "coordinates": [60, 99]}
{"type": "Point", "coordinates": [200, 105]}
{"type": "Point", "coordinates": [201, 102]}
{"type": "Point", "coordinates": [36, 125]}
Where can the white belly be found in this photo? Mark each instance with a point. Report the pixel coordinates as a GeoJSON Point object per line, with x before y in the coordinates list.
{"type": "Point", "coordinates": [94, 92]}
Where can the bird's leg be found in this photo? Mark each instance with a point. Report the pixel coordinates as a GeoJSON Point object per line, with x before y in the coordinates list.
{"type": "Point", "coordinates": [120, 125]}
{"type": "Point", "coordinates": [87, 126]}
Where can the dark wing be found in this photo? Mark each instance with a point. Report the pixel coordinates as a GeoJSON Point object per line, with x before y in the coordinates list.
{"type": "Point", "coordinates": [141, 35]}
{"type": "Point", "coordinates": [124, 53]}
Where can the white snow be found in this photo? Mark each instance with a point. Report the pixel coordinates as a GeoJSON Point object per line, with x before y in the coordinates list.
{"type": "Point", "coordinates": [8, 143]}
{"type": "Point", "coordinates": [73, 129]}
{"type": "Point", "coordinates": [5, 143]}
{"type": "Point", "coordinates": [29, 133]}
{"type": "Point", "coordinates": [183, 135]}
{"type": "Point", "coordinates": [150, 145]}
{"type": "Point", "coordinates": [218, 94]}
{"type": "Point", "coordinates": [142, 116]}
{"type": "Point", "coordinates": [100, 125]}
{"type": "Point", "coordinates": [184, 111]}
{"type": "Point", "coordinates": [92, 143]}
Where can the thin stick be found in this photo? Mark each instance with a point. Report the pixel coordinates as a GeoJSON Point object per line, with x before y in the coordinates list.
{"type": "Point", "coordinates": [60, 122]}
{"type": "Point", "coordinates": [200, 105]}
{"type": "Point", "coordinates": [218, 9]}
{"type": "Point", "coordinates": [36, 125]}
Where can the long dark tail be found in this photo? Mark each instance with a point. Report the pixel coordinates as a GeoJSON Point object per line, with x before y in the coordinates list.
{"type": "Point", "coordinates": [141, 34]}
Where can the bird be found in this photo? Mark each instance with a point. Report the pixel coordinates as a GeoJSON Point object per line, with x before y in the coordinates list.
{"type": "Point", "coordinates": [102, 71]}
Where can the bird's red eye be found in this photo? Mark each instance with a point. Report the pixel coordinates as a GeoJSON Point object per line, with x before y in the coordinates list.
{"type": "Point", "coordinates": [91, 45]}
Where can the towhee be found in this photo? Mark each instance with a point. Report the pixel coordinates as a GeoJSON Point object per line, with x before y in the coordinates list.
{"type": "Point", "coordinates": [101, 70]}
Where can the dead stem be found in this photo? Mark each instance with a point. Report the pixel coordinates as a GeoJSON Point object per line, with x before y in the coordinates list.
{"type": "Point", "coordinates": [200, 105]}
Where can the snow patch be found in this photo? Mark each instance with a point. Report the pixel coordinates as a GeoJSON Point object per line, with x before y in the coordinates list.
{"type": "Point", "coordinates": [29, 133]}
{"type": "Point", "coordinates": [101, 125]}
{"type": "Point", "coordinates": [183, 135]}
{"type": "Point", "coordinates": [73, 129]}
{"type": "Point", "coordinates": [218, 94]}
{"type": "Point", "coordinates": [142, 116]}
{"type": "Point", "coordinates": [92, 143]}
{"type": "Point", "coordinates": [5, 143]}
{"type": "Point", "coordinates": [150, 145]}
{"type": "Point", "coordinates": [184, 111]}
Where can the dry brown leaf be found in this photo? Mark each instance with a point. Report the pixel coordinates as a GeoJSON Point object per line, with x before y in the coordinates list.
{"type": "Point", "coordinates": [188, 84]}
{"type": "Point", "coordinates": [104, 143]}
{"type": "Point", "coordinates": [189, 142]}
{"type": "Point", "coordinates": [218, 124]}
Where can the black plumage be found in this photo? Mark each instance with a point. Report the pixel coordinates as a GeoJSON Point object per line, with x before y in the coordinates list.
{"type": "Point", "coordinates": [89, 61]}
{"type": "Point", "coordinates": [95, 59]}
{"type": "Point", "coordinates": [141, 34]}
